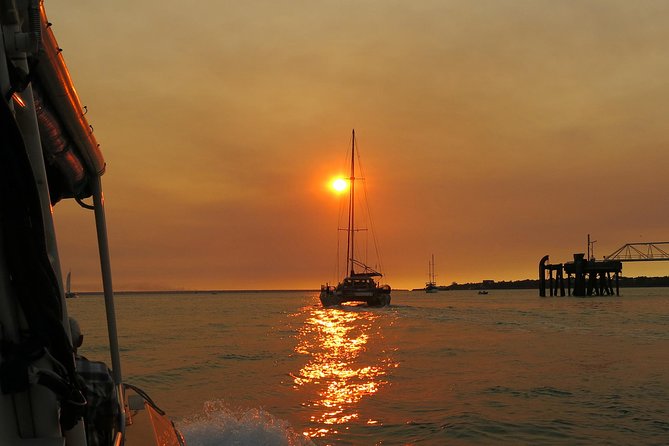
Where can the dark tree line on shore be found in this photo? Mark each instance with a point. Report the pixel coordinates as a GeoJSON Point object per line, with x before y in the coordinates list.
{"type": "Point", "coordinates": [625, 282]}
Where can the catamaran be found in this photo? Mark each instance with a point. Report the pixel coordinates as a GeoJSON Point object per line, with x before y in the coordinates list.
{"type": "Point", "coordinates": [48, 153]}
{"type": "Point", "coordinates": [431, 285]}
{"type": "Point", "coordinates": [360, 284]}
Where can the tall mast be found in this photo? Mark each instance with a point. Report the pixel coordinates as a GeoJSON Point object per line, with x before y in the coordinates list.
{"type": "Point", "coordinates": [351, 208]}
{"type": "Point", "coordinates": [432, 271]}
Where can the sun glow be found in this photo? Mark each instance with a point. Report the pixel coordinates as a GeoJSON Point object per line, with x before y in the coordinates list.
{"type": "Point", "coordinates": [339, 184]}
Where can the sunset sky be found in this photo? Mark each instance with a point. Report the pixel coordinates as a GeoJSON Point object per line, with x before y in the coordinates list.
{"type": "Point", "coordinates": [491, 132]}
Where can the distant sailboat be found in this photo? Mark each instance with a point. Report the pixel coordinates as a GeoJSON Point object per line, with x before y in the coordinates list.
{"type": "Point", "coordinates": [68, 282]}
{"type": "Point", "coordinates": [360, 284]}
{"type": "Point", "coordinates": [431, 285]}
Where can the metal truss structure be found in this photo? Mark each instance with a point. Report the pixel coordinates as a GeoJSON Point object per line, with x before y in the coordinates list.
{"type": "Point", "coordinates": [641, 252]}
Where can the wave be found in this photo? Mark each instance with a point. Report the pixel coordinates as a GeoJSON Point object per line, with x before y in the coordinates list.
{"type": "Point", "coordinates": [219, 424]}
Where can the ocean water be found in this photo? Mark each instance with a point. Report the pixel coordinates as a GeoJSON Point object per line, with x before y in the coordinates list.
{"type": "Point", "coordinates": [452, 368]}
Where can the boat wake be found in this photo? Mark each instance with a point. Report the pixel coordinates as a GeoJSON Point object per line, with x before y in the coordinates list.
{"type": "Point", "coordinates": [218, 424]}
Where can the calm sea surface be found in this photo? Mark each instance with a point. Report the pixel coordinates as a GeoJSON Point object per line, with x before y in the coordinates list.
{"type": "Point", "coordinates": [449, 368]}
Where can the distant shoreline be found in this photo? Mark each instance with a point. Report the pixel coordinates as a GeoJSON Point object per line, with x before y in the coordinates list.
{"type": "Point", "coordinates": [88, 293]}
{"type": "Point", "coordinates": [528, 284]}
{"type": "Point", "coordinates": [625, 282]}
{"type": "Point", "coordinates": [83, 293]}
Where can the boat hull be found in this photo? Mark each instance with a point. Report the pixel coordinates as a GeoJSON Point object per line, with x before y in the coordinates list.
{"type": "Point", "coordinates": [431, 287]}
{"type": "Point", "coordinates": [378, 297]}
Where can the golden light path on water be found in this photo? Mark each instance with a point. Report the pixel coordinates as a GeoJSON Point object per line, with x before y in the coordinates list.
{"type": "Point", "coordinates": [340, 370]}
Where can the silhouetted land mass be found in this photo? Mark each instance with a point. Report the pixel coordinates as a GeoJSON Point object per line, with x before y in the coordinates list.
{"type": "Point", "coordinates": [625, 282]}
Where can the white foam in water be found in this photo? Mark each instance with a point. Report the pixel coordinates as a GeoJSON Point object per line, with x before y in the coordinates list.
{"type": "Point", "coordinates": [220, 425]}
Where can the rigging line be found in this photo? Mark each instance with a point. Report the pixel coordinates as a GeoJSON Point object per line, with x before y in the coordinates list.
{"type": "Point", "coordinates": [340, 219]}
{"type": "Point", "coordinates": [369, 213]}
{"type": "Point", "coordinates": [338, 235]}
{"type": "Point", "coordinates": [373, 231]}
{"type": "Point", "coordinates": [342, 211]}
{"type": "Point", "coordinates": [371, 220]}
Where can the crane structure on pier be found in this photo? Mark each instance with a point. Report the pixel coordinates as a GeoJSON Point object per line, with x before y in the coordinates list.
{"type": "Point", "coordinates": [641, 252]}
{"type": "Point", "coordinates": [593, 277]}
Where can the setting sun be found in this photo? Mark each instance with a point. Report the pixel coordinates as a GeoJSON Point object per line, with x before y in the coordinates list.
{"type": "Point", "coordinates": [339, 184]}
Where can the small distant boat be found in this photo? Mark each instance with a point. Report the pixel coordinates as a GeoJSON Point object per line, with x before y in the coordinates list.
{"type": "Point", "coordinates": [483, 292]}
{"type": "Point", "coordinates": [360, 285]}
{"type": "Point", "coordinates": [431, 286]}
{"type": "Point", "coordinates": [68, 289]}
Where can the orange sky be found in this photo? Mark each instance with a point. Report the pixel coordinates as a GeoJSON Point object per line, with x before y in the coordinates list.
{"type": "Point", "coordinates": [492, 133]}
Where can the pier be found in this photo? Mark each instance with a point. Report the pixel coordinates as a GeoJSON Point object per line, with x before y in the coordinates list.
{"type": "Point", "coordinates": [590, 277]}
{"type": "Point", "coordinates": [593, 277]}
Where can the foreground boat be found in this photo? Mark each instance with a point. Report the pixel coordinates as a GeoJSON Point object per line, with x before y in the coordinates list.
{"type": "Point", "coordinates": [361, 285]}
{"type": "Point", "coordinates": [49, 153]}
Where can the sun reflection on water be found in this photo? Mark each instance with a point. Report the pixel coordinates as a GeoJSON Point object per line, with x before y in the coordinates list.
{"type": "Point", "coordinates": [339, 372]}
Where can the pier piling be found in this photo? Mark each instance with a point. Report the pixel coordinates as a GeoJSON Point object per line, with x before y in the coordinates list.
{"type": "Point", "coordinates": [591, 277]}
